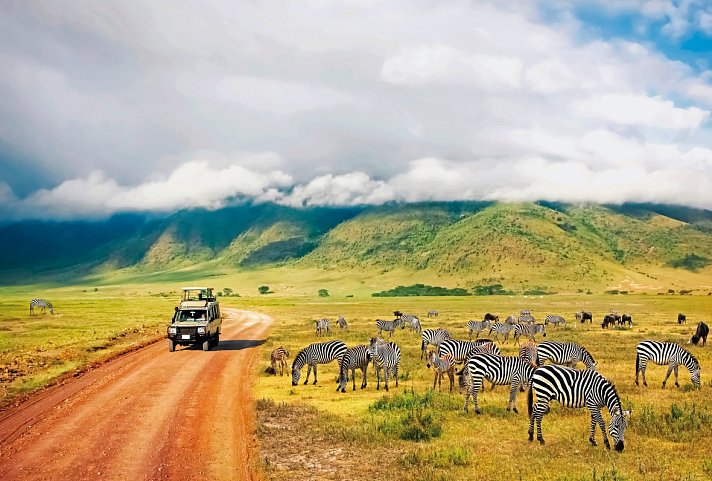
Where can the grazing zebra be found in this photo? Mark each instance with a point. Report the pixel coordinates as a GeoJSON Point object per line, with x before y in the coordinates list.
{"type": "Point", "coordinates": [511, 320]}
{"type": "Point", "coordinates": [576, 389]}
{"type": "Point", "coordinates": [529, 330]}
{"type": "Point", "coordinates": [354, 358]}
{"type": "Point", "coordinates": [442, 365]}
{"type": "Point", "coordinates": [434, 337]}
{"type": "Point", "coordinates": [477, 327]}
{"type": "Point", "coordinates": [668, 353]}
{"type": "Point", "coordinates": [322, 326]}
{"type": "Point", "coordinates": [342, 322]}
{"type": "Point", "coordinates": [501, 328]}
{"type": "Point", "coordinates": [280, 356]}
{"type": "Point", "coordinates": [386, 356]}
{"type": "Point", "coordinates": [499, 370]}
{"type": "Point", "coordinates": [313, 354]}
{"type": "Point", "coordinates": [555, 320]}
{"type": "Point", "coordinates": [583, 316]}
{"type": "Point", "coordinates": [526, 318]}
{"type": "Point", "coordinates": [566, 353]}
{"type": "Point", "coordinates": [460, 350]}
{"type": "Point", "coordinates": [412, 321]}
{"type": "Point", "coordinates": [528, 352]}
{"type": "Point", "coordinates": [41, 303]}
{"type": "Point", "coordinates": [433, 313]}
{"type": "Point", "coordinates": [389, 326]}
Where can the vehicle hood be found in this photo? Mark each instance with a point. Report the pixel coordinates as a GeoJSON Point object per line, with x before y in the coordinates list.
{"type": "Point", "coordinates": [190, 323]}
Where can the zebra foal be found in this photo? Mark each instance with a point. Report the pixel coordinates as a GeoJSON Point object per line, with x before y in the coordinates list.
{"type": "Point", "coordinates": [354, 358]}
{"type": "Point", "coordinates": [279, 356]}
{"type": "Point", "coordinates": [322, 326]}
{"type": "Point", "coordinates": [442, 365]}
{"type": "Point", "coordinates": [386, 356]}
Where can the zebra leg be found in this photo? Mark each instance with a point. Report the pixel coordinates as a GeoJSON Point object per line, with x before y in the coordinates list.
{"type": "Point", "coordinates": [395, 374]}
{"type": "Point", "coordinates": [363, 377]}
{"type": "Point", "coordinates": [378, 378]}
{"type": "Point", "coordinates": [385, 376]}
{"type": "Point", "coordinates": [476, 386]}
{"type": "Point", "coordinates": [596, 418]}
{"type": "Point", "coordinates": [513, 395]}
{"type": "Point", "coordinates": [435, 379]}
{"type": "Point", "coordinates": [353, 377]}
{"type": "Point", "coordinates": [676, 383]}
{"type": "Point", "coordinates": [314, 374]}
{"type": "Point", "coordinates": [669, 371]}
{"type": "Point", "coordinates": [451, 375]}
{"type": "Point", "coordinates": [309, 368]}
{"type": "Point", "coordinates": [643, 365]}
{"type": "Point", "coordinates": [540, 409]}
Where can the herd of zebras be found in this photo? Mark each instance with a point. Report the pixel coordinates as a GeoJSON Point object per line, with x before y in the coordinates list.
{"type": "Point", "coordinates": [482, 360]}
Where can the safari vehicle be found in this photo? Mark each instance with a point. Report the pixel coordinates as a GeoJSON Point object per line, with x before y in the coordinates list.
{"type": "Point", "coordinates": [196, 320]}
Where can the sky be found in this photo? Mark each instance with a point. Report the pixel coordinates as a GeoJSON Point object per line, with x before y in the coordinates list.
{"type": "Point", "coordinates": [134, 106]}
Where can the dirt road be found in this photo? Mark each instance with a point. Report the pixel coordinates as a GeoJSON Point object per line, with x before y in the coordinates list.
{"type": "Point", "coordinates": [147, 415]}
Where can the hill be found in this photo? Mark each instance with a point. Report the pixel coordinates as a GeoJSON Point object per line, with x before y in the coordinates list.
{"type": "Point", "coordinates": [528, 246]}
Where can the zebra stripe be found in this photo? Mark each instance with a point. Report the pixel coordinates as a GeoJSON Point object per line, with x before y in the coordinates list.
{"type": "Point", "coordinates": [528, 352]}
{"type": "Point", "coordinates": [386, 356]}
{"type": "Point", "coordinates": [389, 326]}
{"type": "Point", "coordinates": [280, 356]}
{"type": "Point", "coordinates": [529, 330]}
{"type": "Point", "coordinates": [668, 353]}
{"type": "Point", "coordinates": [499, 370]}
{"type": "Point", "coordinates": [41, 303]}
{"type": "Point", "coordinates": [412, 321]}
{"type": "Point", "coordinates": [566, 353]}
{"type": "Point", "coordinates": [477, 327]}
{"type": "Point", "coordinates": [313, 354]}
{"type": "Point", "coordinates": [441, 366]}
{"type": "Point", "coordinates": [459, 350]}
{"type": "Point", "coordinates": [342, 322]}
{"type": "Point", "coordinates": [555, 320]}
{"type": "Point", "coordinates": [434, 337]}
{"type": "Point", "coordinates": [576, 389]}
{"type": "Point", "coordinates": [322, 326]}
{"type": "Point", "coordinates": [501, 328]}
{"type": "Point", "coordinates": [354, 358]}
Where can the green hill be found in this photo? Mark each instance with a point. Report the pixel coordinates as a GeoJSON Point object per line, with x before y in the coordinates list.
{"type": "Point", "coordinates": [528, 246]}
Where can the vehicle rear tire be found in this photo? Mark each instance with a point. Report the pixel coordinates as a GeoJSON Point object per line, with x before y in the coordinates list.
{"type": "Point", "coordinates": [206, 345]}
{"type": "Point", "coordinates": [171, 345]}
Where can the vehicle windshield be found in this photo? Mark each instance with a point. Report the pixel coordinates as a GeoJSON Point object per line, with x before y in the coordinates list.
{"type": "Point", "coordinates": [191, 315]}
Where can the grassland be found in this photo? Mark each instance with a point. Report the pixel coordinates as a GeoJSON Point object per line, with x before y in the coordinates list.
{"type": "Point", "coordinates": [315, 432]}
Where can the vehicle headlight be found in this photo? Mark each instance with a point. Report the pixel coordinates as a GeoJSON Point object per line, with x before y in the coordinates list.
{"type": "Point", "coordinates": [171, 330]}
{"type": "Point", "coordinates": [201, 330]}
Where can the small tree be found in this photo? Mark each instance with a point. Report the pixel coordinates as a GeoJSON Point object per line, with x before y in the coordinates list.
{"type": "Point", "coordinates": [323, 293]}
{"type": "Point", "coordinates": [263, 289]}
{"type": "Point", "coordinates": [227, 292]}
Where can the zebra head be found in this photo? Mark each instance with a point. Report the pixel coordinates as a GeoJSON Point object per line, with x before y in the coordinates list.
{"type": "Point", "coordinates": [616, 428]}
{"type": "Point", "coordinates": [297, 365]}
{"type": "Point", "coordinates": [373, 346]}
{"type": "Point", "coordinates": [695, 375]}
{"type": "Point", "coordinates": [431, 358]}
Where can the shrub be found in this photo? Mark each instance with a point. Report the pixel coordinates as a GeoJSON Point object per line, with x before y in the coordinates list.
{"type": "Point", "coordinates": [263, 289]}
{"type": "Point", "coordinates": [491, 290]}
{"type": "Point", "coordinates": [323, 293]}
{"type": "Point", "coordinates": [681, 423]}
{"type": "Point", "coordinates": [421, 290]}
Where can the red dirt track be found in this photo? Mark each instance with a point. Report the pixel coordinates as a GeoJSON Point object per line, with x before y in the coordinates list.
{"type": "Point", "coordinates": [147, 415]}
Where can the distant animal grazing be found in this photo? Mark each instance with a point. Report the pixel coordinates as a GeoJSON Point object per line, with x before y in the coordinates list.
{"type": "Point", "coordinates": [342, 322]}
{"type": "Point", "coordinates": [322, 327]}
{"type": "Point", "coordinates": [397, 313]}
{"type": "Point", "coordinates": [491, 317]}
{"type": "Point", "coordinates": [566, 353]}
{"type": "Point", "coordinates": [354, 358]}
{"type": "Point", "coordinates": [499, 370]}
{"type": "Point", "coordinates": [386, 356]}
{"type": "Point", "coordinates": [433, 313]}
{"type": "Point", "coordinates": [313, 354]}
{"type": "Point", "coordinates": [584, 316]}
{"type": "Point", "coordinates": [668, 353]}
{"type": "Point", "coordinates": [525, 316]}
{"type": "Point", "coordinates": [41, 303]}
{"type": "Point", "coordinates": [442, 365]}
{"type": "Point", "coordinates": [529, 330]}
{"type": "Point", "coordinates": [501, 328]}
{"type": "Point", "coordinates": [279, 356]}
{"type": "Point", "coordinates": [389, 326]}
{"type": "Point", "coordinates": [460, 350]}
{"type": "Point", "coordinates": [477, 327]}
{"type": "Point", "coordinates": [627, 319]}
{"type": "Point", "coordinates": [681, 318]}
{"type": "Point", "coordinates": [576, 389]}
{"type": "Point", "coordinates": [701, 333]}
{"type": "Point", "coordinates": [434, 337]}
{"type": "Point", "coordinates": [412, 321]}
{"type": "Point", "coordinates": [511, 320]}
{"type": "Point", "coordinates": [608, 320]}
{"type": "Point", "coordinates": [555, 320]}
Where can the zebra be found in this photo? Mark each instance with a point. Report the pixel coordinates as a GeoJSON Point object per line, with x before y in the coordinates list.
{"type": "Point", "coordinates": [412, 321]}
{"type": "Point", "coordinates": [280, 356]}
{"type": "Point", "coordinates": [342, 322]}
{"type": "Point", "coordinates": [41, 303]}
{"type": "Point", "coordinates": [530, 330]}
{"type": "Point", "coordinates": [434, 337]}
{"type": "Point", "coordinates": [477, 327]}
{"type": "Point", "coordinates": [526, 319]}
{"type": "Point", "coordinates": [576, 389]}
{"type": "Point", "coordinates": [389, 326]}
{"type": "Point", "coordinates": [666, 353]}
{"type": "Point", "coordinates": [441, 366]}
{"type": "Point", "coordinates": [313, 354]}
{"type": "Point", "coordinates": [511, 320]}
{"type": "Point", "coordinates": [566, 353]}
{"type": "Point", "coordinates": [460, 350]}
{"type": "Point", "coordinates": [499, 370]}
{"type": "Point", "coordinates": [501, 328]}
{"type": "Point", "coordinates": [354, 358]}
{"type": "Point", "coordinates": [528, 353]}
{"type": "Point", "coordinates": [322, 326]}
{"type": "Point", "coordinates": [555, 320]}
{"type": "Point", "coordinates": [386, 356]}
{"type": "Point", "coordinates": [433, 313]}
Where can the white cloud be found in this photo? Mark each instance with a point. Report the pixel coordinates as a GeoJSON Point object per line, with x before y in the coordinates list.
{"type": "Point", "coordinates": [355, 188]}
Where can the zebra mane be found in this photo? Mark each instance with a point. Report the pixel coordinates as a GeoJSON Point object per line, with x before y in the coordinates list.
{"type": "Point", "coordinates": [692, 356]}
{"type": "Point", "coordinates": [615, 393]}
{"type": "Point", "coordinates": [301, 356]}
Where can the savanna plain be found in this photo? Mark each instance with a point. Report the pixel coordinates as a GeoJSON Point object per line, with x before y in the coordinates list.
{"type": "Point", "coordinates": [412, 431]}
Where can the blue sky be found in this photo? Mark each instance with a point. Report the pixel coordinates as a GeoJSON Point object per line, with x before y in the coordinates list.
{"type": "Point", "coordinates": [132, 107]}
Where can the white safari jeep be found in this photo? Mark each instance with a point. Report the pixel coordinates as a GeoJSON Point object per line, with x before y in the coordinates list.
{"type": "Point", "coordinates": [196, 320]}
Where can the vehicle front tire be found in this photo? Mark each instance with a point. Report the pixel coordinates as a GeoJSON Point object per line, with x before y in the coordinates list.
{"type": "Point", "coordinates": [216, 340]}
{"type": "Point", "coordinates": [171, 345]}
{"type": "Point", "coordinates": [206, 345]}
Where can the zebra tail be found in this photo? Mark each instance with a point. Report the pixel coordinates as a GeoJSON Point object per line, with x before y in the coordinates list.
{"type": "Point", "coordinates": [637, 364]}
{"type": "Point", "coordinates": [530, 399]}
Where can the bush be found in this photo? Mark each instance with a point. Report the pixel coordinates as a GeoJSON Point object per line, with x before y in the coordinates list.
{"type": "Point", "coordinates": [680, 424]}
{"type": "Point", "coordinates": [323, 293]}
{"type": "Point", "coordinates": [263, 289]}
{"type": "Point", "coordinates": [491, 290]}
{"type": "Point", "coordinates": [421, 290]}
{"type": "Point", "coordinates": [690, 262]}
